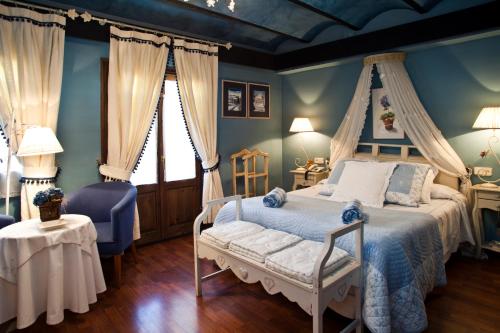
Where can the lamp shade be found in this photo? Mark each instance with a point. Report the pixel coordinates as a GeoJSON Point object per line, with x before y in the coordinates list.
{"type": "Point", "coordinates": [488, 118]}
{"type": "Point", "coordinates": [301, 125]}
{"type": "Point", "coordinates": [39, 141]}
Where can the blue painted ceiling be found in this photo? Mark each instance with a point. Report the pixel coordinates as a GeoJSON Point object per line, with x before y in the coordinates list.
{"type": "Point", "coordinates": [273, 26]}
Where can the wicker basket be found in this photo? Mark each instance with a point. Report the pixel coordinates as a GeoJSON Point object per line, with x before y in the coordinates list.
{"type": "Point", "coordinates": [51, 210]}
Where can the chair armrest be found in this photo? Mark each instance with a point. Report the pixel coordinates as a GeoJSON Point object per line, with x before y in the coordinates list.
{"type": "Point", "coordinates": [122, 218]}
{"type": "Point", "coordinates": [6, 220]}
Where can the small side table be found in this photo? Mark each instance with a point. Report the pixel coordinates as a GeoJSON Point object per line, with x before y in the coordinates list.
{"type": "Point", "coordinates": [484, 198]}
{"type": "Point", "coordinates": [312, 178]}
{"type": "Point", "coordinates": [48, 270]}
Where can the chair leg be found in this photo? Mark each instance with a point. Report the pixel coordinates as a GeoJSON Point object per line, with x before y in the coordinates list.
{"type": "Point", "coordinates": [133, 249]}
{"type": "Point", "coordinates": [118, 270]}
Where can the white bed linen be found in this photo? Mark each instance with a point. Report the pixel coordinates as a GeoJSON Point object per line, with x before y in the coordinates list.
{"type": "Point", "coordinates": [258, 246]}
{"type": "Point", "coordinates": [446, 212]}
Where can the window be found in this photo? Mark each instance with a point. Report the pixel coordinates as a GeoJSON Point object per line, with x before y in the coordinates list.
{"type": "Point", "coordinates": [180, 161]}
{"type": "Point", "coordinates": [179, 158]}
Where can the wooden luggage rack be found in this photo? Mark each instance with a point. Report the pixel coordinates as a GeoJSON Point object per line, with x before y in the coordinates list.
{"type": "Point", "coordinates": [249, 160]}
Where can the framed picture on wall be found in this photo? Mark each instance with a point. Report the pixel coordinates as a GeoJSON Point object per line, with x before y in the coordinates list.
{"type": "Point", "coordinates": [259, 97]}
{"type": "Point", "coordinates": [234, 99]}
{"type": "Point", "coordinates": [385, 123]}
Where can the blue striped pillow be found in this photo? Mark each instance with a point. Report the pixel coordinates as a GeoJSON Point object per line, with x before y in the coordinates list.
{"type": "Point", "coordinates": [405, 185]}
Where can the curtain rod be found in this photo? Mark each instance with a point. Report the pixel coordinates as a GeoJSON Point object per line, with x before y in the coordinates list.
{"type": "Point", "coordinates": [103, 21]}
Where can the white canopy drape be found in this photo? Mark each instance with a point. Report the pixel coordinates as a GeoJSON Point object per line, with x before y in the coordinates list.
{"type": "Point", "coordinates": [197, 73]}
{"type": "Point", "coordinates": [408, 109]}
{"type": "Point", "coordinates": [137, 63]}
{"type": "Point", "coordinates": [31, 65]}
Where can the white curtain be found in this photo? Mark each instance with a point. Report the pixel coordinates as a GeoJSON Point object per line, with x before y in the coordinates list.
{"type": "Point", "coordinates": [196, 66]}
{"type": "Point", "coordinates": [345, 140]}
{"type": "Point", "coordinates": [31, 65]}
{"type": "Point", "coordinates": [410, 112]}
{"type": "Point", "coordinates": [417, 124]}
{"type": "Point", "coordinates": [137, 63]}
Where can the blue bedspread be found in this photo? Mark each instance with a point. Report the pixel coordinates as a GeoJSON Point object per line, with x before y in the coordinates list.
{"type": "Point", "coordinates": [403, 254]}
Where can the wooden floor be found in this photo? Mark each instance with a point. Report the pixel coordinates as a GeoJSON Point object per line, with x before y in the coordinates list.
{"type": "Point", "coordinates": [157, 295]}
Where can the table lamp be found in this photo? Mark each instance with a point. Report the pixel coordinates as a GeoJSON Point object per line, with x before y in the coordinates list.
{"type": "Point", "coordinates": [489, 118]}
{"type": "Point", "coordinates": [36, 141]}
{"type": "Point", "coordinates": [300, 125]}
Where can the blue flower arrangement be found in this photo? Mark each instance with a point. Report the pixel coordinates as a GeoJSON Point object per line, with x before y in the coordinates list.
{"type": "Point", "coordinates": [52, 194]}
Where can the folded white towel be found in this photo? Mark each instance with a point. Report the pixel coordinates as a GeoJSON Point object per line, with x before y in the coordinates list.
{"type": "Point", "coordinates": [258, 246]}
{"type": "Point", "coordinates": [221, 235]}
{"type": "Point", "coordinates": [298, 261]}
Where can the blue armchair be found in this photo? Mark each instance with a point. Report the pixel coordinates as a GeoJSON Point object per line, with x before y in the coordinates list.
{"type": "Point", "coordinates": [111, 206]}
{"type": "Point", "coordinates": [6, 220]}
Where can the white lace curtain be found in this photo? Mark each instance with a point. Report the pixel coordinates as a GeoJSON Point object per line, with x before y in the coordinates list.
{"type": "Point", "coordinates": [196, 66]}
{"type": "Point", "coordinates": [137, 63]}
{"type": "Point", "coordinates": [31, 65]}
{"type": "Point", "coordinates": [410, 112]}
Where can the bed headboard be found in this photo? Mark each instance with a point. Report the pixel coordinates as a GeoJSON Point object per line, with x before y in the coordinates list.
{"type": "Point", "coordinates": [394, 152]}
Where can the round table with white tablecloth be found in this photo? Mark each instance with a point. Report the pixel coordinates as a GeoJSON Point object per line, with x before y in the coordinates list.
{"type": "Point", "coordinates": [48, 270]}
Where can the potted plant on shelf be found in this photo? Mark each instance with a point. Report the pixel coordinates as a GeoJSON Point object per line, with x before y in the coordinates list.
{"type": "Point", "coordinates": [49, 203]}
{"type": "Point", "coordinates": [388, 116]}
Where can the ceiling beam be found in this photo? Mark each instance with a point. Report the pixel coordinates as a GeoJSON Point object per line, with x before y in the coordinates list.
{"type": "Point", "coordinates": [213, 13]}
{"type": "Point", "coordinates": [416, 6]}
{"type": "Point", "coordinates": [325, 14]}
{"type": "Point", "coordinates": [472, 20]}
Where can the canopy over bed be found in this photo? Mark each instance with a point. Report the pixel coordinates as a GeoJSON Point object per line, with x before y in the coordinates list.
{"type": "Point", "coordinates": [408, 109]}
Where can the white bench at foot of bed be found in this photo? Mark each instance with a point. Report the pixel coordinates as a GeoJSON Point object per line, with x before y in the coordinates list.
{"type": "Point", "coordinates": [312, 298]}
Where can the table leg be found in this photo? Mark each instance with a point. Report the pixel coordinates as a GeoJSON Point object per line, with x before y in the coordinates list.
{"type": "Point", "coordinates": [118, 270]}
{"type": "Point", "coordinates": [477, 220]}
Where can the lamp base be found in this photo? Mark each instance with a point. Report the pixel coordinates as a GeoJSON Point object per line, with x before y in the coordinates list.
{"type": "Point", "coordinates": [488, 185]}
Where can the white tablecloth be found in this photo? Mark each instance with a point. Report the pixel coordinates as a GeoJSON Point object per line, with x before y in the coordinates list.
{"type": "Point", "coordinates": [48, 271]}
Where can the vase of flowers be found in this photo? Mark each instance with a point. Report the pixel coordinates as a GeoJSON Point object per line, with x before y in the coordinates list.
{"type": "Point", "coordinates": [49, 203]}
{"type": "Point", "coordinates": [388, 116]}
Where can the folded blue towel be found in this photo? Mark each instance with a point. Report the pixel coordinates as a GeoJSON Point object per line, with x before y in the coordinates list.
{"type": "Point", "coordinates": [275, 198]}
{"type": "Point", "coordinates": [353, 211]}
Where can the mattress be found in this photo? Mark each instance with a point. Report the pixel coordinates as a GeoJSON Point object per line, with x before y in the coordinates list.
{"type": "Point", "coordinates": [222, 235]}
{"type": "Point", "coordinates": [298, 261]}
{"type": "Point", "coordinates": [447, 212]}
{"type": "Point", "coordinates": [259, 245]}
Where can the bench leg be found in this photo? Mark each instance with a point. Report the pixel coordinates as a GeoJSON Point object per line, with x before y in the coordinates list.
{"type": "Point", "coordinates": [197, 272]}
{"type": "Point", "coordinates": [318, 323]}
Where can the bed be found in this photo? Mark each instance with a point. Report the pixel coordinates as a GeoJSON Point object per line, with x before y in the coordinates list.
{"type": "Point", "coordinates": [405, 247]}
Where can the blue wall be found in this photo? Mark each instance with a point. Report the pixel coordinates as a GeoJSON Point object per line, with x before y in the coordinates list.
{"type": "Point", "coordinates": [79, 126]}
{"type": "Point", "coordinates": [79, 117]}
{"type": "Point", "coordinates": [452, 81]}
{"type": "Point", "coordinates": [236, 134]}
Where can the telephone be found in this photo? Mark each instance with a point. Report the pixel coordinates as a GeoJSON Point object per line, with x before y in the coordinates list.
{"type": "Point", "coordinates": [316, 168]}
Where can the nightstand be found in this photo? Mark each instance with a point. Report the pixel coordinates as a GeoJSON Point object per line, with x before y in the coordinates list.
{"type": "Point", "coordinates": [312, 178]}
{"type": "Point", "coordinates": [484, 198]}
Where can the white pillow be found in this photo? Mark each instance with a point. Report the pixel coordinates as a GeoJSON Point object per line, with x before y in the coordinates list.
{"type": "Point", "coordinates": [425, 196]}
{"type": "Point", "coordinates": [439, 191]}
{"type": "Point", "coordinates": [365, 181]}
